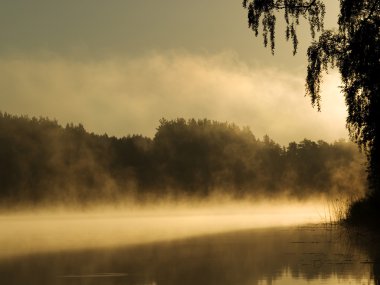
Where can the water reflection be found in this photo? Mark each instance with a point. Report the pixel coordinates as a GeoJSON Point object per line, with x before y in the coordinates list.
{"type": "Point", "coordinates": [368, 241]}
{"type": "Point", "coordinates": [298, 255]}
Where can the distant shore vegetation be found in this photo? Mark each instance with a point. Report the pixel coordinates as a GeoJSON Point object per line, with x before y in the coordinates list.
{"type": "Point", "coordinates": [42, 161]}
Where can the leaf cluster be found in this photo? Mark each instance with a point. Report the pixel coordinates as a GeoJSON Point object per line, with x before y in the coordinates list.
{"type": "Point", "coordinates": [266, 11]}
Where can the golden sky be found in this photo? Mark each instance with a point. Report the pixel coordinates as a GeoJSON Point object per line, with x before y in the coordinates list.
{"type": "Point", "coordinates": [118, 66]}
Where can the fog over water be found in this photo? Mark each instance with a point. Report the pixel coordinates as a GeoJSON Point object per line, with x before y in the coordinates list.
{"type": "Point", "coordinates": [49, 230]}
{"type": "Point", "coordinates": [181, 247]}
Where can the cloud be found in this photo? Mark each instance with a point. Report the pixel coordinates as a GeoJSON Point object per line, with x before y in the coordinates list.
{"type": "Point", "coordinates": [121, 96]}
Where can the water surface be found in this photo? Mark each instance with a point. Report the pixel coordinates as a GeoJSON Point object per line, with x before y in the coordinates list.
{"type": "Point", "coordinates": [278, 255]}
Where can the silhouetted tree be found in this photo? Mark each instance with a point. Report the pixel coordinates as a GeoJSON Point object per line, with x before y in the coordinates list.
{"type": "Point", "coordinates": [42, 161]}
{"type": "Point", "coordinates": [354, 48]}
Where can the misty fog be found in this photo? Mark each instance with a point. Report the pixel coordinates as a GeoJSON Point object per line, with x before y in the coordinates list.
{"type": "Point", "coordinates": [282, 255]}
{"type": "Point", "coordinates": [58, 229]}
{"type": "Point", "coordinates": [69, 198]}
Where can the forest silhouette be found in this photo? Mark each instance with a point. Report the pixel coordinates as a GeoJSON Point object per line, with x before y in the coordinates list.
{"type": "Point", "coordinates": [41, 161]}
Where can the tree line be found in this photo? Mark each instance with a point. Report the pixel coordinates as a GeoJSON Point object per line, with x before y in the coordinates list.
{"type": "Point", "coordinates": [43, 161]}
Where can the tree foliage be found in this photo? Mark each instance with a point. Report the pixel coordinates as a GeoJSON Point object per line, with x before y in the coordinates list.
{"type": "Point", "coordinates": [266, 10]}
{"type": "Point", "coordinates": [42, 161]}
{"type": "Point", "coordinates": [354, 48]}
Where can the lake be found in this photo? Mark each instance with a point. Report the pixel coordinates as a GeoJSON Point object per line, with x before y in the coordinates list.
{"type": "Point", "coordinates": [79, 250]}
